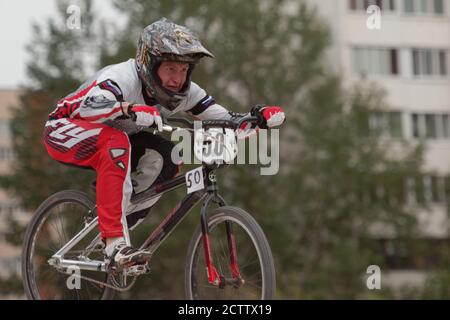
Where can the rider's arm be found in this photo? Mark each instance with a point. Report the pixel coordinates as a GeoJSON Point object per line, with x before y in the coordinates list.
{"type": "Point", "coordinates": [205, 108]}
{"type": "Point", "coordinates": [202, 106]}
{"type": "Point", "coordinates": [102, 102]}
{"type": "Point", "coordinates": [208, 109]}
{"type": "Point", "coordinates": [105, 102]}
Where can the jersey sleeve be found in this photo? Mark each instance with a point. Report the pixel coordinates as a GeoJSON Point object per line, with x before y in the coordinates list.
{"type": "Point", "coordinates": [101, 103]}
{"type": "Point", "coordinates": [204, 107]}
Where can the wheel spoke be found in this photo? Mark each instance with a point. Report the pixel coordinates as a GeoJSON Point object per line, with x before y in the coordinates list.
{"type": "Point", "coordinates": [57, 224]}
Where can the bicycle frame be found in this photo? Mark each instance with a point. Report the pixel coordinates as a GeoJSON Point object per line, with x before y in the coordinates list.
{"type": "Point", "coordinates": [209, 194]}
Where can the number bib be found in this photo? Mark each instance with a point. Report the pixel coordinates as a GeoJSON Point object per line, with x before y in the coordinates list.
{"type": "Point", "coordinates": [194, 180]}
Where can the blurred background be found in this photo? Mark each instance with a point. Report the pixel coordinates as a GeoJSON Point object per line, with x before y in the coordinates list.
{"type": "Point", "coordinates": [364, 173]}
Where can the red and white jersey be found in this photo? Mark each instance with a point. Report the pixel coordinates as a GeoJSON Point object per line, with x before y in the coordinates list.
{"type": "Point", "coordinates": [98, 99]}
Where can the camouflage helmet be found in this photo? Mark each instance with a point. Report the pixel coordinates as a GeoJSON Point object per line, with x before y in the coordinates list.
{"type": "Point", "coordinates": [161, 41]}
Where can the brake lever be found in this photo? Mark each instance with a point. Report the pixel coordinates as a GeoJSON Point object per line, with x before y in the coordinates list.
{"type": "Point", "coordinates": [248, 118]}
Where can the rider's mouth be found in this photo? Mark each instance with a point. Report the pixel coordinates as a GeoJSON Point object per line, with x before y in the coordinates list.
{"type": "Point", "coordinates": [173, 89]}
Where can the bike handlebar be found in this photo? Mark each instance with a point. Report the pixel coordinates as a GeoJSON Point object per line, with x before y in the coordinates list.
{"type": "Point", "coordinates": [209, 123]}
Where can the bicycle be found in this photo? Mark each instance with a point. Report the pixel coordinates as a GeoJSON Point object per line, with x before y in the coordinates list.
{"type": "Point", "coordinates": [63, 238]}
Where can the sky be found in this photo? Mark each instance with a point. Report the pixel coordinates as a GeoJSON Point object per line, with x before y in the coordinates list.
{"type": "Point", "coordinates": [16, 17]}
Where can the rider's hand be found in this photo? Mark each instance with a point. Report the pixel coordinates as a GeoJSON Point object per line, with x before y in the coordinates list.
{"type": "Point", "coordinates": [269, 116]}
{"type": "Point", "coordinates": [146, 116]}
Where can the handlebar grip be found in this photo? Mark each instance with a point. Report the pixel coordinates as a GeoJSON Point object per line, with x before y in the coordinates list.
{"type": "Point", "coordinates": [167, 128]}
{"type": "Point", "coordinates": [218, 124]}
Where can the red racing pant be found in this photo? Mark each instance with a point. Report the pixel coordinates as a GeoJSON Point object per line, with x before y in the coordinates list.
{"type": "Point", "coordinates": [107, 151]}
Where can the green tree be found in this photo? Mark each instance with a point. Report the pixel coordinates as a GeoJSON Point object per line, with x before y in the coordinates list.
{"type": "Point", "coordinates": [55, 68]}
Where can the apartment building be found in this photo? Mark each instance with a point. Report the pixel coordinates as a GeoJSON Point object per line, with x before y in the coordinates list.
{"type": "Point", "coordinates": [9, 255]}
{"type": "Point", "coordinates": [404, 47]}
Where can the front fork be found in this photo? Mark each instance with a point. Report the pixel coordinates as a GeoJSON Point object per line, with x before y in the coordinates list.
{"type": "Point", "coordinates": [214, 277]}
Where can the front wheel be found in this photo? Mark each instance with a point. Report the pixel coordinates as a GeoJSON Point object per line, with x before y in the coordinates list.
{"type": "Point", "coordinates": [254, 258]}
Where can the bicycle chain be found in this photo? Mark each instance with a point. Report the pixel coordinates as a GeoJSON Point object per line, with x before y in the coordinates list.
{"type": "Point", "coordinates": [105, 284]}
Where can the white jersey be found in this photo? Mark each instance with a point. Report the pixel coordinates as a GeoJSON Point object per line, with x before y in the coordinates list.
{"type": "Point", "coordinates": [98, 99]}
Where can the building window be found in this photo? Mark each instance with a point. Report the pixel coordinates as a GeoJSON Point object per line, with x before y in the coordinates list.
{"type": "Point", "coordinates": [395, 124]}
{"type": "Point", "coordinates": [447, 189]}
{"type": "Point", "coordinates": [428, 189]}
{"type": "Point", "coordinates": [6, 154]}
{"type": "Point", "coordinates": [439, 6]}
{"type": "Point", "coordinates": [422, 189]}
{"type": "Point", "coordinates": [362, 5]}
{"type": "Point", "coordinates": [379, 61]}
{"type": "Point", "coordinates": [408, 6]}
{"type": "Point", "coordinates": [415, 125]}
{"type": "Point", "coordinates": [418, 254]}
{"type": "Point", "coordinates": [442, 62]}
{"type": "Point", "coordinates": [11, 265]}
{"type": "Point", "coordinates": [430, 126]}
{"type": "Point", "coordinates": [394, 63]}
{"type": "Point", "coordinates": [437, 189]}
{"type": "Point", "coordinates": [4, 129]}
{"type": "Point", "coordinates": [445, 125]}
{"type": "Point", "coordinates": [429, 62]}
{"type": "Point", "coordinates": [386, 123]}
{"type": "Point", "coordinates": [423, 7]}
{"type": "Point", "coordinates": [419, 189]}
{"type": "Point", "coordinates": [9, 208]}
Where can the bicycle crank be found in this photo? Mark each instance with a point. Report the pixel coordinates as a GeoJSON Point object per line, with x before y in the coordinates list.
{"type": "Point", "coordinates": [131, 271]}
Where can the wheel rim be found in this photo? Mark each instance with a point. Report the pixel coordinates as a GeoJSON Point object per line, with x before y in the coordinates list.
{"type": "Point", "coordinates": [60, 223]}
{"type": "Point", "coordinates": [249, 262]}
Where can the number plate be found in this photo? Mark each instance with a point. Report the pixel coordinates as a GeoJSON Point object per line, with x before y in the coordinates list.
{"type": "Point", "coordinates": [215, 145]}
{"type": "Point", "coordinates": [194, 180]}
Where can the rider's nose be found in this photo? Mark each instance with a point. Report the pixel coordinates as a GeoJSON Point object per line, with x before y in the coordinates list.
{"type": "Point", "coordinates": [177, 79]}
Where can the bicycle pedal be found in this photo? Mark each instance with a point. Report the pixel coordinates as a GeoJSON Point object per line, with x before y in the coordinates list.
{"type": "Point", "coordinates": [136, 270]}
{"type": "Point", "coordinates": [100, 246]}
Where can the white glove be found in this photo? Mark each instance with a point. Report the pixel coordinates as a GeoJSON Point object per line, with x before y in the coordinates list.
{"type": "Point", "coordinates": [146, 116]}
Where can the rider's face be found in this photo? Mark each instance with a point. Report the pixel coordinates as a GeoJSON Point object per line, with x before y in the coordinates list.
{"type": "Point", "coordinates": [173, 75]}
